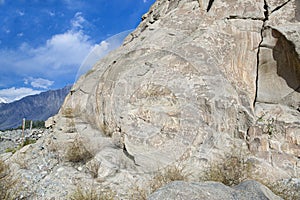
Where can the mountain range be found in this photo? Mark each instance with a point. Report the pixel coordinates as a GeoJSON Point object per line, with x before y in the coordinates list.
{"type": "Point", "coordinates": [34, 107]}
{"type": "Point", "coordinates": [2, 100]}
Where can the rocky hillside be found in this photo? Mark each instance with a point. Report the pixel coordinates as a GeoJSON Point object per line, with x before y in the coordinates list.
{"type": "Point", "coordinates": [202, 90]}
{"type": "Point", "coordinates": [35, 107]}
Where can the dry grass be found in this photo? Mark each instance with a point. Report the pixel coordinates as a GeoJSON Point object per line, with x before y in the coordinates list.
{"type": "Point", "coordinates": [68, 112]}
{"type": "Point", "coordinates": [230, 171]}
{"type": "Point", "coordinates": [164, 177]}
{"type": "Point", "coordinates": [93, 168]}
{"type": "Point", "coordinates": [284, 190]}
{"type": "Point", "coordinates": [92, 194]}
{"type": "Point", "coordinates": [77, 152]}
{"type": "Point", "coordinates": [161, 178]}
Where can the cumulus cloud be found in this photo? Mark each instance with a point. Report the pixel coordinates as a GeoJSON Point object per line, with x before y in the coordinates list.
{"type": "Point", "coordinates": [62, 50]}
{"type": "Point", "coordinates": [38, 82]}
{"type": "Point", "coordinates": [61, 54]}
{"type": "Point", "coordinates": [59, 58]}
{"type": "Point", "coordinates": [14, 94]}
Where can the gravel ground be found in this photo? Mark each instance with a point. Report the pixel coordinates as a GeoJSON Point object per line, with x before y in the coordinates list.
{"type": "Point", "coordinates": [12, 139]}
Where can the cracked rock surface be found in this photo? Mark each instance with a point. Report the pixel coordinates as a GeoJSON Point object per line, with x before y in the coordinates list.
{"type": "Point", "coordinates": [197, 80]}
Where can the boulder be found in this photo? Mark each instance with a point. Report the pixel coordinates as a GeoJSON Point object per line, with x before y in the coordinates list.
{"type": "Point", "coordinates": [248, 190]}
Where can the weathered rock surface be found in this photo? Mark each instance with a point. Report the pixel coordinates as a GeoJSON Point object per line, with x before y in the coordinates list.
{"type": "Point", "coordinates": [197, 80]}
{"type": "Point", "coordinates": [248, 190]}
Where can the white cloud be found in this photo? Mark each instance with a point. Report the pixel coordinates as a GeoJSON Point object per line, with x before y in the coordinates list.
{"type": "Point", "coordinates": [74, 4]}
{"type": "Point", "coordinates": [145, 1]}
{"type": "Point", "coordinates": [60, 56]}
{"type": "Point", "coordinates": [78, 21]}
{"type": "Point", "coordinates": [21, 13]}
{"type": "Point", "coordinates": [52, 14]}
{"type": "Point", "coordinates": [20, 34]}
{"type": "Point", "coordinates": [62, 50]}
{"type": "Point", "coordinates": [38, 82]}
{"type": "Point", "coordinates": [14, 94]}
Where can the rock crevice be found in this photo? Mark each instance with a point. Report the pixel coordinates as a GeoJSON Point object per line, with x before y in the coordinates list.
{"type": "Point", "coordinates": [210, 3]}
{"type": "Point", "coordinates": [280, 6]}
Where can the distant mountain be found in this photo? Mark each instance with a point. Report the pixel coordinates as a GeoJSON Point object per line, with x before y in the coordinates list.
{"type": "Point", "coordinates": [35, 107]}
{"type": "Point", "coordinates": [2, 100]}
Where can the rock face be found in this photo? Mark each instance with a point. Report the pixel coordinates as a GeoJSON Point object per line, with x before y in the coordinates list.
{"type": "Point", "coordinates": [214, 191]}
{"type": "Point", "coordinates": [196, 81]}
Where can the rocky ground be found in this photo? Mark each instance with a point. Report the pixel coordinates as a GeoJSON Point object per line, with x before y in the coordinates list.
{"type": "Point", "coordinates": [12, 139]}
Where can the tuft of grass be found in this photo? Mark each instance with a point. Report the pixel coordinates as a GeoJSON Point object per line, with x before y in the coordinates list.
{"type": "Point", "coordinates": [93, 168]}
{"type": "Point", "coordinates": [230, 171]}
{"type": "Point", "coordinates": [68, 112]}
{"type": "Point", "coordinates": [28, 141]}
{"type": "Point", "coordinates": [92, 194]}
{"type": "Point", "coordinates": [173, 173]}
{"type": "Point", "coordinates": [284, 190]}
{"type": "Point", "coordinates": [77, 152]}
{"type": "Point", "coordinates": [12, 150]}
{"type": "Point", "coordinates": [161, 178]}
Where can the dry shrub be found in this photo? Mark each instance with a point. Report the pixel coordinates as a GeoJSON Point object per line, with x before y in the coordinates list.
{"type": "Point", "coordinates": [230, 171]}
{"type": "Point", "coordinates": [161, 178]}
{"type": "Point", "coordinates": [68, 112]}
{"type": "Point", "coordinates": [92, 193]}
{"type": "Point", "coordinates": [7, 183]}
{"type": "Point", "coordinates": [173, 173]}
{"type": "Point", "coordinates": [77, 152]}
{"type": "Point", "coordinates": [137, 192]}
{"type": "Point", "coordinates": [287, 191]}
{"type": "Point", "coordinates": [93, 167]}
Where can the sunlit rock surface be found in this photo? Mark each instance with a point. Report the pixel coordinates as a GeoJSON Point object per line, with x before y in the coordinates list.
{"type": "Point", "coordinates": [195, 82]}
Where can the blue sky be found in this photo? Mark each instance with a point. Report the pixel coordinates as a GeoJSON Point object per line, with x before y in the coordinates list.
{"type": "Point", "coordinates": [43, 43]}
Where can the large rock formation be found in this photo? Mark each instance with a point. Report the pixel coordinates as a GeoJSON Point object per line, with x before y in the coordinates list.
{"type": "Point", "coordinates": [197, 81]}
